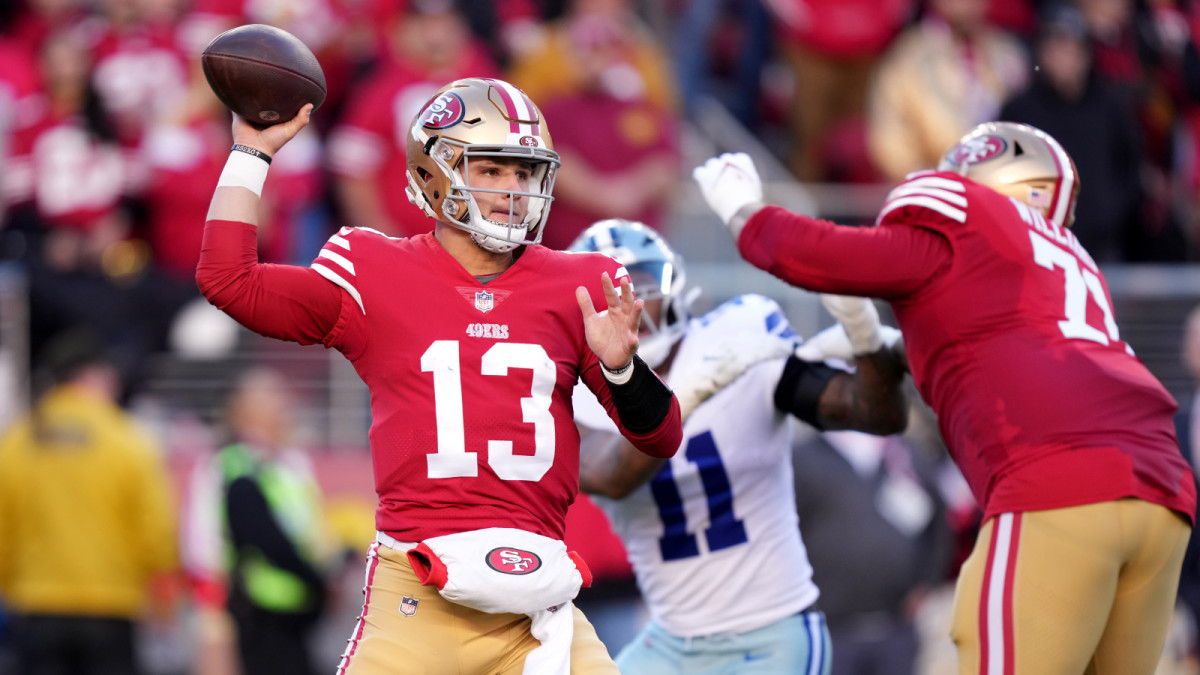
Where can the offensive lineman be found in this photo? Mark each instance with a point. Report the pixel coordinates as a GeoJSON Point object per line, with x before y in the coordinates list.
{"type": "Point", "coordinates": [713, 533]}
{"type": "Point", "coordinates": [1065, 438]}
{"type": "Point", "coordinates": [470, 339]}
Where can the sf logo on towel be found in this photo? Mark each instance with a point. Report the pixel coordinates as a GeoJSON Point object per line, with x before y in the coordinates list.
{"type": "Point", "coordinates": [513, 561]}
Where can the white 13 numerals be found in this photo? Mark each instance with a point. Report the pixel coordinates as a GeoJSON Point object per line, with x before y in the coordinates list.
{"type": "Point", "coordinates": [1080, 284]}
{"type": "Point", "coordinates": [452, 459]}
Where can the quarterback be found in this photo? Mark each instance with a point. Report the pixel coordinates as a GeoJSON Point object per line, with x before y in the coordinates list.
{"type": "Point", "coordinates": [1064, 436]}
{"type": "Point", "coordinates": [470, 338]}
{"type": "Point", "coordinates": [713, 533]}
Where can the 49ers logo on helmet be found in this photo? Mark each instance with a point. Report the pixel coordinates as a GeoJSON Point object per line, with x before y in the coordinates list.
{"type": "Point", "coordinates": [513, 561]}
{"type": "Point", "coordinates": [978, 149]}
{"type": "Point", "coordinates": [445, 111]}
{"type": "Point", "coordinates": [530, 141]}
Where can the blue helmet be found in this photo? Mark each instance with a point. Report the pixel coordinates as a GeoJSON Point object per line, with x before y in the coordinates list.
{"type": "Point", "coordinates": [655, 270]}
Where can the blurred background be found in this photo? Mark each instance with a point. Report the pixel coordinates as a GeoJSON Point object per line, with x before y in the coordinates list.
{"type": "Point", "coordinates": [111, 144]}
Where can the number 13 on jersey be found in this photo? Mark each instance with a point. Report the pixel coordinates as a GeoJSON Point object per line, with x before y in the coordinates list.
{"type": "Point", "coordinates": [452, 459]}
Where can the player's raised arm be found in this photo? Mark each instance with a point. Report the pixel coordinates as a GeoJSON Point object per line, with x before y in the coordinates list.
{"type": "Point", "coordinates": [281, 301]}
{"type": "Point", "coordinates": [240, 187]}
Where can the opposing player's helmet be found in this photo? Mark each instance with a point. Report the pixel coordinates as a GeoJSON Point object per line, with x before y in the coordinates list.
{"type": "Point", "coordinates": [655, 270]}
{"type": "Point", "coordinates": [1019, 161]}
{"type": "Point", "coordinates": [474, 118]}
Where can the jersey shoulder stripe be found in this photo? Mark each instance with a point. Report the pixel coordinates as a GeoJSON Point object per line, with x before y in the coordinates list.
{"type": "Point", "coordinates": [335, 261]}
{"type": "Point", "coordinates": [937, 194]}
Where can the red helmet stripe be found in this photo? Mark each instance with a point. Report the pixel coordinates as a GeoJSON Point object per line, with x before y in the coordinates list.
{"type": "Point", "coordinates": [517, 107]}
{"type": "Point", "coordinates": [1060, 205]}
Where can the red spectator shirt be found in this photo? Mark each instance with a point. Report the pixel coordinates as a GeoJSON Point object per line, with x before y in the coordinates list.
{"type": "Point", "coordinates": [1011, 339]}
{"type": "Point", "coordinates": [612, 136]}
{"type": "Point", "coordinates": [472, 425]}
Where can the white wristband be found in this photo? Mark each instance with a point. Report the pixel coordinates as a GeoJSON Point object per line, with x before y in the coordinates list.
{"type": "Point", "coordinates": [620, 375]}
{"type": "Point", "coordinates": [244, 170]}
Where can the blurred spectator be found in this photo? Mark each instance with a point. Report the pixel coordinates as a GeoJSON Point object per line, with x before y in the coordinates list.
{"type": "Point", "coordinates": [1068, 101]}
{"type": "Point", "coordinates": [276, 541]}
{"type": "Point", "coordinates": [831, 46]}
{"type": "Point", "coordinates": [556, 63]}
{"type": "Point", "coordinates": [1187, 428]}
{"type": "Point", "coordinates": [140, 71]}
{"type": "Point", "coordinates": [67, 165]}
{"type": "Point", "coordinates": [430, 45]}
{"type": "Point", "coordinates": [940, 78]}
{"type": "Point", "coordinates": [863, 499]}
{"type": "Point", "coordinates": [86, 519]}
{"type": "Point", "coordinates": [730, 37]}
{"type": "Point", "coordinates": [1142, 50]}
{"type": "Point", "coordinates": [620, 152]}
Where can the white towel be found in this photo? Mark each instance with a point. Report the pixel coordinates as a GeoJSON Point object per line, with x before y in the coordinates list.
{"type": "Point", "coordinates": [503, 570]}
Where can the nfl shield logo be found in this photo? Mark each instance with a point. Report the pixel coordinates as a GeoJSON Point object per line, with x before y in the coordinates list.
{"type": "Point", "coordinates": [484, 301]}
{"type": "Point", "coordinates": [408, 605]}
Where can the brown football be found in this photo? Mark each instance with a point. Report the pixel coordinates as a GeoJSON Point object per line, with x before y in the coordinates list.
{"type": "Point", "coordinates": [263, 73]}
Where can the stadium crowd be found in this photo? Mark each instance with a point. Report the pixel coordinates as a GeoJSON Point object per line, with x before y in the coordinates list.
{"type": "Point", "coordinates": [111, 142]}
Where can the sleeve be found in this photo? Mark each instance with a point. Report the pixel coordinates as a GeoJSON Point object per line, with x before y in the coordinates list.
{"type": "Point", "coordinates": [251, 523]}
{"type": "Point", "coordinates": [279, 301]}
{"type": "Point", "coordinates": [660, 440]}
{"type": "Point", "coordinates": [892, 262]}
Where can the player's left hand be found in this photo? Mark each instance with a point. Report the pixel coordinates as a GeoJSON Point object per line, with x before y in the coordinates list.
{"type": "Point", "coordinates": [612, 333]}
{"type": "Point", "coordinates": [728, 183]}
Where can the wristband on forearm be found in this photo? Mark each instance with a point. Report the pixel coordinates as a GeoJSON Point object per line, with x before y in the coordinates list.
{"type": "Point", "coordinates": [643, 401]}
{"type": "Point", "coordinates": [246, 167]}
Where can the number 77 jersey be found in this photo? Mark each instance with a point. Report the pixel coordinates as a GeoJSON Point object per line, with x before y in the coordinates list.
{"type": "Point", "coordinates": [1016, 348]}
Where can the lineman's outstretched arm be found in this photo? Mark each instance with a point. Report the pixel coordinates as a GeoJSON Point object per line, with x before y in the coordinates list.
{"type": "Point", "coordinates": [611, 466]}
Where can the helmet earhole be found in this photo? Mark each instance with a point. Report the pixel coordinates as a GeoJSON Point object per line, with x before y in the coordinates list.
{"type": "Point", "coordinates": [436, 195]}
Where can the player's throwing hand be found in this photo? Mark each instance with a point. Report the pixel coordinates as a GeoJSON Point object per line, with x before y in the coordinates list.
{"type": "Point", "coordinates": [272, 138]}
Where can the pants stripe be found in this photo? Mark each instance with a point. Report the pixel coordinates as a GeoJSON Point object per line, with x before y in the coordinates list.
{"type": "Point", "coordinates": [996, 651]}
{"type": "Point", "coordinates": [816, 643]}
{"type": "Point", "coordinates": [368, 580]}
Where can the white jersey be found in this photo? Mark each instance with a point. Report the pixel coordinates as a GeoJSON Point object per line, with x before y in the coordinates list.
{"type": "Point", "coordinates": [714, 538]}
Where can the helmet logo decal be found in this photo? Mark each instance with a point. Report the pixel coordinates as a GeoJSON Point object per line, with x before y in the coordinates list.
{"type": "Point", "coordinates": [513, 561]}
{"type": "Point", "coordinates": [530, 141]}
{"type": "Point", "coordinates": [978, 149]}
{"type": "Point", "coordinates": [445, 111]}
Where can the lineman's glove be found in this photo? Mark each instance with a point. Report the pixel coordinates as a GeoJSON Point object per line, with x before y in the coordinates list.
{"type": "Point", "coordinates": [833, 343]}
{"type": "Point", "coordinates": [860, 319]}
{"type": "Point", "coordinates": [728, 183]}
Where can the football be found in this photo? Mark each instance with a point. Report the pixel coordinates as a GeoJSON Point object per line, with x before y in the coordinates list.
{"type": "Point", "coordinates": [263, 73]}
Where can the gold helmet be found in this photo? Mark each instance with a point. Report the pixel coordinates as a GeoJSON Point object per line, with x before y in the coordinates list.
{"type": "Point", "coordinates": [1019, 161]}
{"type": "Point", "coordinates": [474, 118]}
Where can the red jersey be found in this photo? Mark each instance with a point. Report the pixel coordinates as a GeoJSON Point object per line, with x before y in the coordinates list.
{"type": "Point", "coordinates": [1011, 339]}
{"type": "Point", "coordinates": [472, 424]}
